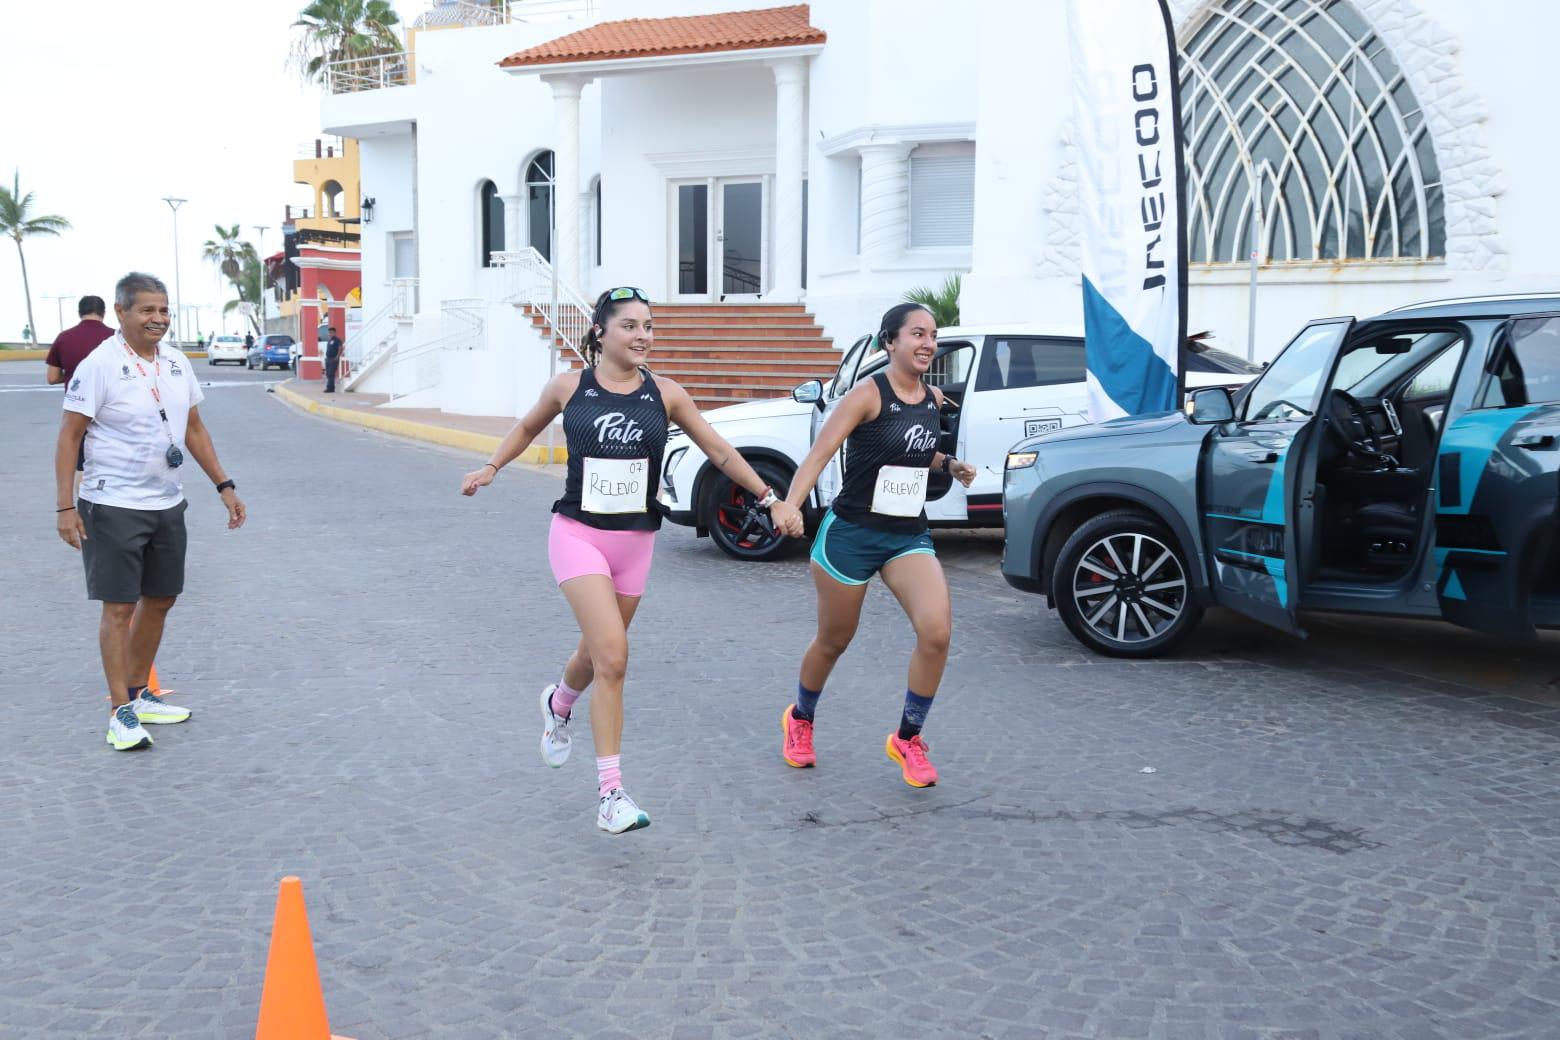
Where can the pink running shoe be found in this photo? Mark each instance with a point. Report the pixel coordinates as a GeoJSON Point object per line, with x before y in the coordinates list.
{"type": "Point", "coordinates": [798, 749]}
{"type": "Point", "coordinates": [916, 768]}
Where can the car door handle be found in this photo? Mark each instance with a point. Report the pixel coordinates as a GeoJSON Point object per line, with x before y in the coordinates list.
{"type": "Point", "coordinates": [1261, 457]}
{"type": "Point", "coordinates": [1535, 441]}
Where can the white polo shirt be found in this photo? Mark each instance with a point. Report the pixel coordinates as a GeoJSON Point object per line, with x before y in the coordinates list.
{"type": "Point", "coordinates": [127, 443]}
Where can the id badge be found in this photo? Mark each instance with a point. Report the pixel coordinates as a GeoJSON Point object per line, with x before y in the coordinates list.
{"type": "Point", "coordinates": [900, 491]}
{"type": "Point", "coordinates": [614, 486]}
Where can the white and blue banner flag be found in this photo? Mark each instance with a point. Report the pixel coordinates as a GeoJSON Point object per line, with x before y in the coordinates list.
{"type": "Point", "coordinates": [1127, 122]}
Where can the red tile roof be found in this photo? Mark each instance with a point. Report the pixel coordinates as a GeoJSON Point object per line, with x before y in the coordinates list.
{"type": "Point", "coordinates": [694, 34]}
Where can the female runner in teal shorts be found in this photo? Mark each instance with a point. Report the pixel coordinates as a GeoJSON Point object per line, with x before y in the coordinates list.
{"type": "Point", "coordinates": [877, 525]}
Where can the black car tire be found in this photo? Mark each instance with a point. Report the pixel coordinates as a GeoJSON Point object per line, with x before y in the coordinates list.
{"type": "Point", "coordinates": [1151, 562]}
{"type": "Point", "coordinates": [724, 514]}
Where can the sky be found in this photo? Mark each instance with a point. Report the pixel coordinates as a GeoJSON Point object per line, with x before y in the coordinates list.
{"type": "Point", "coordinates": [107, 106]}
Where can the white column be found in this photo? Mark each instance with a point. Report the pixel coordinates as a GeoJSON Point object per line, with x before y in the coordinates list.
{"type": "Point", "coordinates": [885, 203]}
{"type": "Point", "coordinates": [785, 280]}
{"type": "Point", "coordinates": [512, 204]}
{"type": "Point", "coordinates": [566, 178]}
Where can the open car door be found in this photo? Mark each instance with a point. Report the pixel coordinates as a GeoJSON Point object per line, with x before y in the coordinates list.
{"type": "Point", "coordinates": [1251, 480]}
{"type": "Point", "coordinates": [1498, 483]}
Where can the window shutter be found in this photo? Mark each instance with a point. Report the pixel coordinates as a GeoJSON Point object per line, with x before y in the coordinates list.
{"type": "Point", "coordinates": [942, 201]}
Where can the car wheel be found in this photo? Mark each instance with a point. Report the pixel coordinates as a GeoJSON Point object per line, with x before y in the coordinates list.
{"type": "Point", "coordinates": [1123, 586]}
{"type": "Point", "coordinates": [729, 514]}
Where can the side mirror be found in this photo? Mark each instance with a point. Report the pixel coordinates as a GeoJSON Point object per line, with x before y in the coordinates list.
{"type": "Point", "coordinates": [1212, 405]}
{"type": "Point", "coordinates": [810, 392]}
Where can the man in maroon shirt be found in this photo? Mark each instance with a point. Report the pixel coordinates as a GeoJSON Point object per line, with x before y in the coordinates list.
{"type": "Point", "coordinates": [75, 343]}
{"type": "Point", "coordinates": [72, 348]}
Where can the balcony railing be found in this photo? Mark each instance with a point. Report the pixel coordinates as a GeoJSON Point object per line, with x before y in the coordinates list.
{"type": "Point", "coordinates": [442, 13]}
{"type": "Point", "coordinates": [351, 75]}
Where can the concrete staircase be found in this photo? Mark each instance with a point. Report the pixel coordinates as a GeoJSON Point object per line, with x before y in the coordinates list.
{"type": "Point", "coordinates": [725, 353]}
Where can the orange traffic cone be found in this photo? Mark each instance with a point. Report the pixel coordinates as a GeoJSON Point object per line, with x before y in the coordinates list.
{"type": "Point", "coordinates": [151, 680]}
{"type": "Point", "coordinates": [292, 1005]}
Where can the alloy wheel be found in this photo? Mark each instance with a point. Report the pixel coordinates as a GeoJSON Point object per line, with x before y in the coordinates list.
{"type": "Point", "coordinates": [1129, 587]}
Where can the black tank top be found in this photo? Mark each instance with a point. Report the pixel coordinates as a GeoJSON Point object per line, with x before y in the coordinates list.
{"type": "Point", "coordinates": [616, 441]}
{"type": "Point", "coordinates": [903, 434]}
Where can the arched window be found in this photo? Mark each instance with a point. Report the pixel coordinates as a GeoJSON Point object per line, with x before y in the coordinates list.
{"type": "Point", "coordinates": [538, 203]}
{"type": "Point", "coordinates": [330, 199]}
{"type": "Point", "coordinates": [490, 213]}
{"type": "Point", "coordinates": [1302, 99]}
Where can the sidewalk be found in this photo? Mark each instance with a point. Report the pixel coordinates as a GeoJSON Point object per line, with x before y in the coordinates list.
{"type": "Point", "coordinates": [475, 433]}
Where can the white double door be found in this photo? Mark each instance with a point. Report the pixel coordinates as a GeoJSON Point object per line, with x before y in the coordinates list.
{"type": "Point", "coordinates": [720, 238]}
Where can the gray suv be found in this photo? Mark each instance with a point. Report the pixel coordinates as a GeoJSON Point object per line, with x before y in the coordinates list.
{"type": "Point", "coordinates": [1407, 465]}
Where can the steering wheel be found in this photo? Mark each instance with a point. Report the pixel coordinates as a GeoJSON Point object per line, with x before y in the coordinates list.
{"type": "Point", "coordinates": [1364, 441]}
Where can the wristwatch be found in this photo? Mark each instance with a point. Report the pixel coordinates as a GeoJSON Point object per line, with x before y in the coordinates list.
{"type": "Point", "coordinates": [948, 460]}
{"type": "Point", "coordinates": [225, 485]}
{"type": "Point", "coordinates": [769, 499]}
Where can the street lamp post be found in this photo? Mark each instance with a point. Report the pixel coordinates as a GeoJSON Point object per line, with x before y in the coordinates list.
{"type": "Point", "coordinates": [260, 230]}
{"type": "Point", "coordinates": [178, 302]}
{"type": "Point", "coordinates": [59, 305]}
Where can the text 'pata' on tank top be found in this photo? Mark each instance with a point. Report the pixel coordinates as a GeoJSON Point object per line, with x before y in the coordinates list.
{"type": "Point", "coordinates": [615, 443]}
{"type": "Point", "coordinates": [886, 463]}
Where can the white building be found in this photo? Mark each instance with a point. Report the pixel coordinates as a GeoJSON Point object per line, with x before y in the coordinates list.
{"type": "Point", "coordinates": [837, 154]}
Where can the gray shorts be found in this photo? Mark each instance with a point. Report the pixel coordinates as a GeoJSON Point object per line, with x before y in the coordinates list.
{"type": "Point", "coordinates": [130, 553]}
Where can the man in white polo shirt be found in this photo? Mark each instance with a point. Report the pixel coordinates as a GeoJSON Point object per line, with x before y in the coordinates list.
{"type": "Point", "coordinates": [133, 400]}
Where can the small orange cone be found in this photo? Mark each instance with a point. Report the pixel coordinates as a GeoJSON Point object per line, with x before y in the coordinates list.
{"type": "Point", "coordinates": [292, 1005]}
{"type": "Point", "coordinates": [151, 680]}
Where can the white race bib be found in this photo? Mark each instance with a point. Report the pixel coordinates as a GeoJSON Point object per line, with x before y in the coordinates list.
{"type": "Point", "coordinates": [900, 491]}
{"type": "Point", "coordinates": [614, 485]}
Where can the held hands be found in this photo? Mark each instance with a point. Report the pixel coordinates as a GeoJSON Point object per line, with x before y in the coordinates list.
{"type": "Point", "coordinates": [70, 528]}
{"type": "Point", "coordinates": [237, 514]}
{"type": "Point", "coordinates": [963, 472]}
{"type": "Point", "coordinates": [477, 478]}
{"type": "Point", "coordinates": [787, 519]}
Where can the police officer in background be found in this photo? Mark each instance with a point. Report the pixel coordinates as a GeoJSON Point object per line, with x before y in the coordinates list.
{"type": "Point", "coordinates": [332, 360]}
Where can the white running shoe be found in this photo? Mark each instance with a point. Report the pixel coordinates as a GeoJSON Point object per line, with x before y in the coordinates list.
{"type": "Point", "coordinates": [555, 732]}
{"type": "Point", "coordinates": [153, 710]}
{"type": "Point", "coordinates": [619, 813]}
{"type": "Point", "coordinates": [125, 732]}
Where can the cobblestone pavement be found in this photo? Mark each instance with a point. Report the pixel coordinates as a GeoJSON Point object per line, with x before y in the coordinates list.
{"type": "Point", "coordinates": [1326, 848]}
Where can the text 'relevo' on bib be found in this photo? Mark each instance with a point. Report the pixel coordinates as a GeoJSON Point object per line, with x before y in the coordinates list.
{"type": "Point", "coordinates": [900, 491]}
{"type": "Point", "coordinates": [614, 486]}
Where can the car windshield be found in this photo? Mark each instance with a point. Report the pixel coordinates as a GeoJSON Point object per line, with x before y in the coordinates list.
{"type": "Point", "coordinates": [1367, 373]}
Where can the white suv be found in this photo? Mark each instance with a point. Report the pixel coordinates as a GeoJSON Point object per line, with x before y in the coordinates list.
{"type": "Point", "coordinates": [1003, 383]}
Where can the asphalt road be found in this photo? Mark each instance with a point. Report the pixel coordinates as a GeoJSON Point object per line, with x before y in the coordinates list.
{"type": "Point", "coordinates": [1348, 837]}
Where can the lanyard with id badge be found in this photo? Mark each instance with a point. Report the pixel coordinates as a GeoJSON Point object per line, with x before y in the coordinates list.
{"type": "Point", "coordinates": [173, 456]}
{"type": "Point", "coordinates": [614, 486]}
{"type": "Point", "coordinates": [900, 491]}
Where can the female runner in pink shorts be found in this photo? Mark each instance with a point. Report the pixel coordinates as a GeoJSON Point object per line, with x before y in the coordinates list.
{"type": "Point", "coordinates": [615, 418]}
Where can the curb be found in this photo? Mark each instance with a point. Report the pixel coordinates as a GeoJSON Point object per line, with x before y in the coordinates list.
{"type": "Point", "coordinates": [465, 440]}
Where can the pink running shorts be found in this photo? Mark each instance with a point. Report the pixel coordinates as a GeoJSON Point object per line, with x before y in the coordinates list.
{"type": "Point", "coordinates": [575, 549]}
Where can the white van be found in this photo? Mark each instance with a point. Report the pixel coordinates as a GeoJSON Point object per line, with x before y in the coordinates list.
{"type": "Point", "coordinates": [1003, 383]}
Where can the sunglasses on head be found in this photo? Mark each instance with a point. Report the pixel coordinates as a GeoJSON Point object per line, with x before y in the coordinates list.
{"type": "Point", "coordinates": [628, 292]}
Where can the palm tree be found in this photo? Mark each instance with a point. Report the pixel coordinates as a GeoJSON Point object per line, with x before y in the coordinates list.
{"type": "Point", "coordinates": [334, 30]}
{"type": "Point", "coordinates": [943, 303]}
{"type": "Point", "coordinates": [17, 221]}
{"type": "Point", "coordinates": [248, 286]}
{"type": "Point", "coordinates": [226, 251]}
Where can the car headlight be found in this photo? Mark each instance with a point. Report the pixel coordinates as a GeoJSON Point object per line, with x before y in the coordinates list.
{"type": "Point", "coordinates": [666, 471]}
{"type": "Point", "coordinates": [1021, 459]}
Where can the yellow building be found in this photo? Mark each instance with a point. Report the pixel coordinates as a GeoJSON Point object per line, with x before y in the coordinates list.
{"type": "Point", "coordinates": [330, 225]}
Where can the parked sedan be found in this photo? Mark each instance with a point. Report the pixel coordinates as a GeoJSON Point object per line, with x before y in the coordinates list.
{"type": "Point", "coordinates": [272, 350]}
{"type": "Point", "coordinates": [227, 348]}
